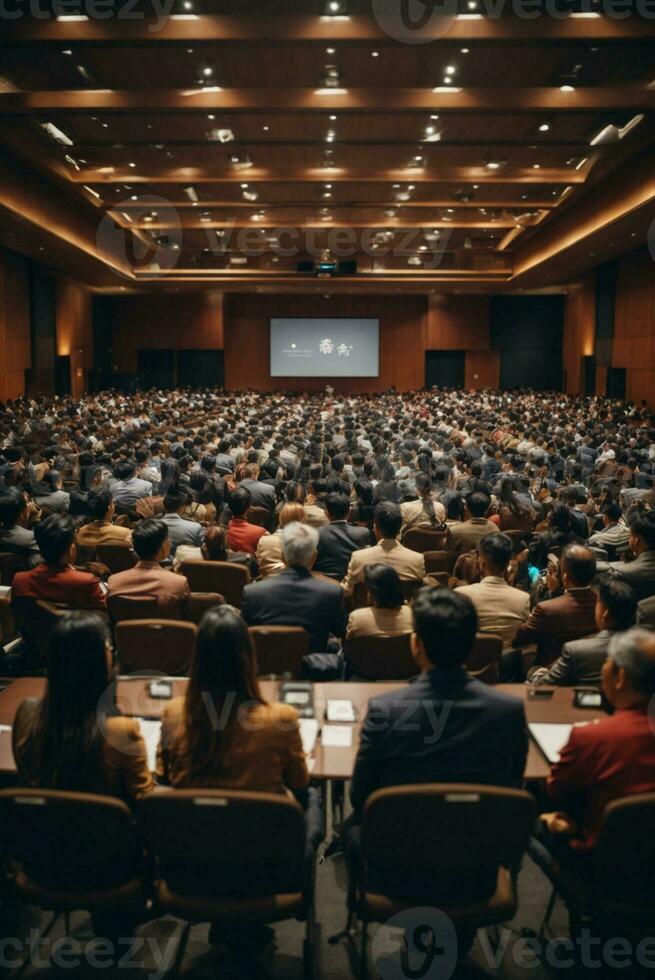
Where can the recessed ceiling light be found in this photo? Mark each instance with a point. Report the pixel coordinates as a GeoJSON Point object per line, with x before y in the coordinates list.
{"type": "Point", "coordinates": [67, 52]}
{"type": "Point", "coordinates": [131, 164]}
{"type": "Point", "coordinates": [187, 5]}
{"type": "Point", "coordinates": [207, 72]}
{"type": "Point", "coordinates": [327, 194]}
{"type": "Point", "coordinates": [566, 88]}
{"type": "Point", "coordinates": [493, 165]}
{"type": "Point", "coordinates": [536, 166]}
{"type": "Point", "coordinates": [134, 198]}
{"type": "Point", "coordinates": [450, 69]}
{"type": "Point", "coordinates": [329, 50]}
{"type": "Point", "coordinates": [544, 128]}
{"type": "Point", "coordinates": [475, 187]}
{"type": "Point", "coordinates": [105, 125]}
{"type": "Point", "coordinates": [211, 116]}
{"type": "Point", "coordinates": [375, 54]}
{"type": "Point", "coordinates": [266, 128]}
{"type": "Point", "coordinates": [333, 118]}
{"type": "Point", "coordinates": [465, 50]}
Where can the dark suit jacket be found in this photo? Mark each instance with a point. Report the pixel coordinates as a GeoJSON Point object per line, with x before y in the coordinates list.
{"type": "Point", "coordinates": [640, 573]}
{"type": "Point", "coordinates": [646, 613]}
{"type": "Point", "coordinates": [336, 543]}
{"type": "Point", "coordinates": [443, 727]}
{"type": "Point", "coordinates": [554, 622]}
{"type": "Point", "coordinates": [580, 663]}
{"type": "Point", "coordinates": [262, 494]}
{"type": "Point", "coordinates": [295, 598]}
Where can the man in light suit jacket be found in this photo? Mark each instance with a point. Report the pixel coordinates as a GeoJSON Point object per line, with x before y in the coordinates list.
{"type": "Point", "coordinates": [338, 540]}
{"type": "Point", "coordinates": [180, 530]}
{"type": "Point", "coordinates": [294, 597]}
{"type": "Point", "coordinates": [147, 578]}
{"type": "Point", "coordinates": [582, 661]}
{"type": "Point", "coordinates": [640, 573]}
{"type": "Point", "coordinates": [410, 565]}
{"type": "Point", "coordinates": [464, 537]}
{"type": "Point", "coordinates": [501, 608]}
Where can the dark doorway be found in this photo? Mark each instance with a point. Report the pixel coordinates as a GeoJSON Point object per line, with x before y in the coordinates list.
{"type": "Point", "coordinates": [156, 368]}
{"type": "Point", "coordinates": [63, 376]}
{"type": "Point", "coordinates": [200, 368]}
{"type": "Point", "coordinates": [615, 383]}
{"type": "Point", "coordinates": [445, 368]}
{"type": "Point", "coordinates": [589, 375]}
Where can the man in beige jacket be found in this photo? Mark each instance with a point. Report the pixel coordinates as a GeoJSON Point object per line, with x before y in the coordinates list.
{"type": "Point", "coordinates": [410, 565]}
{"type": "Point", "coordinates": [501, 609]}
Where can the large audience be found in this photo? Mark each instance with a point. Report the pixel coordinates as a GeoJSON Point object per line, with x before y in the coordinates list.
{"type": "Point", "coordinates": [542, 507]}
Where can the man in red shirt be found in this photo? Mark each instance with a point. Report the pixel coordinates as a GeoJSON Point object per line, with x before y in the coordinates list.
{"type": "Point", "coordinates": [613, 757]}
{"type": "Point", "coordinates": [242, 536]}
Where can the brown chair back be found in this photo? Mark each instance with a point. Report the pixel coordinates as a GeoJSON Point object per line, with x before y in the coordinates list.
{"type": "Point", "coordinates": [438, 561]}
{"type": "Point", "coordinates": [73, 850]}
{"type": "Point", "coordinates": [441, 843]}
{"type": "Point", "coordinates": [381, 658]}
{"type": "Point", "coordinates": [35, 620]}
{"type": "Point", "coordinates": [126, 607]}
{"type": "Point", "coordinates": [221, 844]}
{"type": "Point", "coordinates": [624, 856]}
{"type": "Point", "coordinates": [409, 588]}
{"type": "Point", "coordinates": [280, 649]}
{"type": "Point", "coordinates": [424, 539]}
{"type": "Point", "coordinates": [484, 662]}
{"type": "Point", "coordinates": [162, 645]}
{"type": "Point", "coordinates": [259, 516]}
{"type": "Point", "coordinates": [202, 602]}
{"type": "Point", "coordinates": [9, 565]}
{"type": "Point", "coordinates": [117, 557]}
{"type": "Point", "coordinates": [225, 577]}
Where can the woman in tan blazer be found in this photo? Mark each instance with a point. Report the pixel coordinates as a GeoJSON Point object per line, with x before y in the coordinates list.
{"type": "Point", "coordinates": [387, 613]}
{"type": "Point", "coordinates": [269, 549]}
{"type": "Point", "coordinates": [71, 739]}
{"type": "Point", "coordinates": [223, 734]}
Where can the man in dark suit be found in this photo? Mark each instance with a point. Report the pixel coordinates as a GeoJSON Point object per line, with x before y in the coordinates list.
{"type": "Point", "coordinates": [569, 616]}
{"type": "Point", "coordinates": [338, 540]}
{"type": "Point", "coordinates": [640, 573]}
{"type": "Point", "coordinates": [15, 538]}
{"type": "Point", "coordinates": [581, 661]}
{"type": "Point", "coordinates": [295, 597]}
{"type": "Point", "coordinates": [262, 494]}
{"type": "Point", "coordinates": [646, 613]}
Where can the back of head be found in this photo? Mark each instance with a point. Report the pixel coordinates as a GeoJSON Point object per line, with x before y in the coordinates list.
{"type": "Point", "coordinates": [446, 623]}
{"type": "Point", "coordinates": [148, 537]}
{"type": "Point", "coordinates": [580, 565]}
{"type": "Point", "coordinates": [175, 499]}
{"type": "Point", "coordinates": [52, 480]}
{"type": "Point", "coordinates": [388, 519]}
{"type": "Point", "coordinates": [291, 513]}
{"type": "Point", "coordinates": [239, 501]}
{"type": "Point", "coordinates": [214, 547]}
{"type": "Point", "coordinates": [54, 536]}
{"type": "Point", "coordinates": [478, 504]}
{"type": "Point", "coordinates": [612, 511]}
{"type": "Point", "coordinates": [12, 505]}
{"type": "Point", "coordinates": [497, 551]}
{"type": "Point", "coordinates": [98, 503]}
{"type": "Point", "coordinates": [383, 584]}
{"type": "Point", "coordinates": [642, 525]}
{"type": "Point", "coordinates": [634, 652]}
{"type": "Point", "coordinates": [560, 518]}
{"type": "Point", "coordinates": [620, 600]}
{"type": "Point", "coordinates": [125, 470]}
{"type": "Point", "coordinates": [337, 506]}
{"type": "Point", "coordinates": [299, 544]}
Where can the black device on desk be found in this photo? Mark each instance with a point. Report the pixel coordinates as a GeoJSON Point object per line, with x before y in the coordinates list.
{"type": "Point", "coordinates": [300, 695]}
{"type": "Point", "coordinates": [540, 693]}
{"type": "Point", "coordinates": [588, 697]}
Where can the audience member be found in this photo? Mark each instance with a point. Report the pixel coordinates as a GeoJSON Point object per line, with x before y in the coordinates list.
{"type": "Point", "coordinates": [501, 608]}
{"type": "Point", "coordinates": [410, 565]}
{"type": "Point", "coordinates": [152, 546]}
{"type": "Point", "coordinates": [387, 613]}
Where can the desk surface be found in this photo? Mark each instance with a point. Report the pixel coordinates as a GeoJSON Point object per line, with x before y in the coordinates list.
{"type": "Point", "coordinates": [329, 762]}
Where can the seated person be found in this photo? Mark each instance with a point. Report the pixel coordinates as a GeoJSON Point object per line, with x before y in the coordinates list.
{"type": "Point", "coordinates": [241, 535]}
{"type": "Point", "coordinates": [180, 530]}
{"type": "Point", "coordinates": [501, 608]}
{"type": "Point", "coordinates": [15, 536]}
{"type": "Point", "coordinates": [102, 530]}
{"type": "Point", "coordinates": [294, 597]}
{"type": "Point", "coordinates": [126, 488]}
{"type": "Point", "coordinates": [640, 573]}
{"type": "Point", "coordinates": [612, 758]}
{"type": "Point", "coordinates": [53, 497]}
{"type": "Point", "coordinates": [55, 579]}
{"type": "Point", "coordinates": [270, 557]}
{"type": "Point", "coordinates": [425, 511]}
{"type": "Point", "coordinates": [339, 539]}
{"type": "Point", "coordinates": [569, 616]}
{"type": "Point", "coordinates": [581, 661]}
{"type": "Point", "coordinates": [465, 536]}
{"type": "Point", "coordinates": [148, 578]}
{"type": "Point", "coordinates": [410, 565]}
{"type": "Point", "coordinates": [213, 548]}
{"type": "Point", "coordinates": [387, 613]}
{"type": "Point", "coordinates": [614, 538]}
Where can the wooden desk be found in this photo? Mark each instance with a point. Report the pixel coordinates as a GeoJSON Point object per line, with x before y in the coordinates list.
{"type": "Point", "coordinates": [329, 762]}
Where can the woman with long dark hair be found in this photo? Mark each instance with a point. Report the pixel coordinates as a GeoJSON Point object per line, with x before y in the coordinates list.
{"type": "Point", "coordinates": [223, 733]}
{"type": "Point", "coordinates": [387, 613]}
{"type": "Point", "coordinates": [71, 739]}
{"type": "Point", "coordinates": [425, 511]}
{"type": "Point", "coordinates": [512, 513]}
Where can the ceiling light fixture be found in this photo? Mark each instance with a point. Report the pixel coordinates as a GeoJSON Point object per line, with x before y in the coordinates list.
{"type": "Point", "coordinates": [57, 134]}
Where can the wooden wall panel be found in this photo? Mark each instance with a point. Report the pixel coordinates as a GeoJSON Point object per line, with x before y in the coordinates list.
{"type": "Point", "coordinates": [482, 369]}
{"type": "Point", "coordinates": [634, 325]}
{"type": "Point", "coordinates": [164, 321]}
{"type": "Point", "coordinates": [402, 348]}
{"type": "Point", "coordinates": [15, 341]}
{"type": "Point", "coordinates": [74, 331]}
{"type": "Point", "coordinates": [458, 323]}
{"type": "Point", "coordinates": [579, 331]}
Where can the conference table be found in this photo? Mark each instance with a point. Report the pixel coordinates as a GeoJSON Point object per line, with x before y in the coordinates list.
{"type": "Point", "coordinates": [328, 762]}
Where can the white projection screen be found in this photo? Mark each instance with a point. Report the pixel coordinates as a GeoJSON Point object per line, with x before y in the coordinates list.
{"type": "Point", "coordinates": [325, 348]}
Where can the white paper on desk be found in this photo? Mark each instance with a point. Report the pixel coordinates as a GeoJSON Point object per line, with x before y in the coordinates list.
{"type": "Point", "coordinates": [551, 738]}
{"type": "Point", "coordinates": [308, 734]}
{"type": "Point", "coordinates": [151, 731]}
{"type": "Point", "coordinates": [337, 736]}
